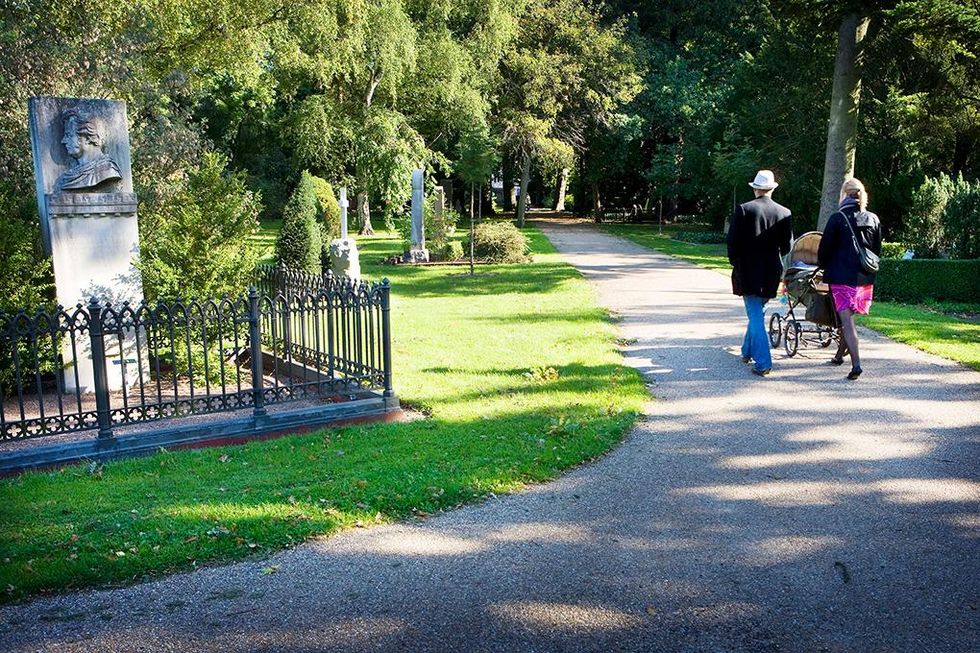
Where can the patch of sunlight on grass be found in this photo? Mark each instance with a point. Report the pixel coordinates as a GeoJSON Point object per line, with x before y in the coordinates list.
{"type": "Point", "coordinates": [516, 367]}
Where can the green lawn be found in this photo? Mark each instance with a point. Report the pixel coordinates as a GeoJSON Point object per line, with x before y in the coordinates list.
{"type": "Point", "coordinates": [950, 331]}
{"type": "Point", "coordinates": [265, 240]}
{"type": "Point", "coordinates": [516, 369]}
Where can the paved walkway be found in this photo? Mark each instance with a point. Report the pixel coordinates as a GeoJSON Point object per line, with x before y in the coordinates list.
{"type": "Point", "coordinates": [800, 512]}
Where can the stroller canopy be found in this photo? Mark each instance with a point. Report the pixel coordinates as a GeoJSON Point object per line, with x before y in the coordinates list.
{"type": "Point", "coordinates": [805, 249]}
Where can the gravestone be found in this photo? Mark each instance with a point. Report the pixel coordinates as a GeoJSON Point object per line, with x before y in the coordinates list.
{"type": "Point", "coordinates": [344, 257]}
{"type": "Point", "coordinates": [87, 209]}
{"type": "Point", "coordinates": [439, 203]}
{"type": "Point", "coordinates": [417, 252]}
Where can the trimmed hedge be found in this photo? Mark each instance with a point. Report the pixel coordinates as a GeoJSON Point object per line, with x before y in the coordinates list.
{"type": "Point", "coordinates": [917, 280]}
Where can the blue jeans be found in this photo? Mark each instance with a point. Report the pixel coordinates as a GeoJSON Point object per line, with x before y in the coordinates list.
{"type": "Point", "coordinates": [755, 345]}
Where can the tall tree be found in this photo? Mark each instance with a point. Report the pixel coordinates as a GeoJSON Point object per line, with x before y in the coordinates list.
{"type": "Point", "coordinates": [842, 128]}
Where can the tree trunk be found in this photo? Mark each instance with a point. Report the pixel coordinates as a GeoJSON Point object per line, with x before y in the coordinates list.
{"type": "Point", "coordinates": [364, 215]}
{"type": "Point", "coordinates": [522, 200]}
{"type": "Point", "coordinates": [596, 203]}
{"type": "Point", "coordinates": [842, 129]}
{"type": "Point", "coordinates": [507, 177]}
{"type": "Point", "coordinates": [562, 186]}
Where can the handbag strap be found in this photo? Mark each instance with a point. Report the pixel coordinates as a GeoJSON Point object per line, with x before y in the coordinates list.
{"type": "Point", "coordinates": [857, 246]}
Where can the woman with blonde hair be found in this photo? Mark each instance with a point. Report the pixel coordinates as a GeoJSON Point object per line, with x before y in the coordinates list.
{"type": "Point", "coordinates": [850, 233]}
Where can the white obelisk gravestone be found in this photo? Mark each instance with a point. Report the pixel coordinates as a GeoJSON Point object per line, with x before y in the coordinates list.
{"type": "Point", "coordinates": [345, 260]}
{"type": "Point", "coordinates": [417, 252]}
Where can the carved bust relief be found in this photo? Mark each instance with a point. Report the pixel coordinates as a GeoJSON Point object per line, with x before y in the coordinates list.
{"type": "Point", "coordinates": [84, 141]}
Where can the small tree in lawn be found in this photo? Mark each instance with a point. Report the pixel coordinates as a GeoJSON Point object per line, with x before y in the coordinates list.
{"type": "Point", "coordinates": [300, 239]}
{"type": "Point", "coordinates": [478, 158]}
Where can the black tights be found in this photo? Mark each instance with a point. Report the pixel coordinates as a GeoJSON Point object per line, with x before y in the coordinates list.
{"type": "Point", "coordinates": [848, 338]}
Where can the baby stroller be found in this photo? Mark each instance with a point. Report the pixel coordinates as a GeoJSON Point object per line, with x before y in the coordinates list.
{"type": "Point", "coordinates": [803, 285]}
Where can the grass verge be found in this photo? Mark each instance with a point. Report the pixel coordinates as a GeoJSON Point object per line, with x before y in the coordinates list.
{"type": "Point", "coordinates": [516, 368]}
{"type": "Point", "coordinates": [942, 329]}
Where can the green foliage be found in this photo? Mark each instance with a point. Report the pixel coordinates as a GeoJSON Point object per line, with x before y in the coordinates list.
{"type": "Point", "coordinates": [962, 220]}
{"type": "Point", "coordinates": [703, 237]}
{"type": "Point", "coordinates": [499, 242]}
{"type": "Point", "coordinates": [919, 280]}
{"type": "Point", "coordinates": [328, 209]}
{"type": "Point", "coordinates": [25, 272]}
{"type": "Point", "coordinates": [300, 240]}
{"type": "Point", "coordinates": [945, 218]}
{"type": "Point", "coordinates": [924, 226]}
{"type": "Point", "coordinates": [25, 285]}
{"type": "Point", "coordinates": [196, 241]}
{"type": "Point", "coordinates": [451, 250]}
{"type": "Point", "coordinates": [894, 250]}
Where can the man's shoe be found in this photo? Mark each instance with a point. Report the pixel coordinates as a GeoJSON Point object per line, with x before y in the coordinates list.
{"type": "Point", "coordinates": [746, 359]}
{"type": "Point", "coordinates": [836, 361]}
{"type": "Point", "coordinates": [764, 372]}
{"type": "Point", "coordinates": [855, 373]}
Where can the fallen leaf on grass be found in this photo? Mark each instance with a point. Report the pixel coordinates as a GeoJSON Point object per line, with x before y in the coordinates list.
{"type": "Point", "coordinates": [225, 458]}
{"type": "Point", "coordinates": [192, 538]}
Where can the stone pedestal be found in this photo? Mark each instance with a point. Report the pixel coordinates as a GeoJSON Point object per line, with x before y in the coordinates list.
{"type": "Point", "coordinates": [420, 255]}
{"type": "Point", "coordinates": [344, 259]}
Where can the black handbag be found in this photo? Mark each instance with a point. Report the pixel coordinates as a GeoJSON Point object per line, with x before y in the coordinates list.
{"type": "Point", "coordinates": [821, 310]}
{"type": "Point", "coordinates": [869, 260]}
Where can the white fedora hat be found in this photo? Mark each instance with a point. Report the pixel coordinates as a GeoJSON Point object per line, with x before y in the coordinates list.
{"type": "Point", "coordinates": [764, 180]}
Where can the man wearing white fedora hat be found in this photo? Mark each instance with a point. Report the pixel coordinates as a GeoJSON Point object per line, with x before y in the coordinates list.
{"type": "Point", "coordinates": [760, 233]}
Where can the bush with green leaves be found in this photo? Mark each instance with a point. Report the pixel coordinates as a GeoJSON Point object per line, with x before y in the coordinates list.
{"type": "Point", "coordinates": [700, 237]}
{"type": "Point", "coordinates": [919, 280]}
{"type": "Point", "coordinates": [962, 220]}
{"type": "Point", "coordinates": [300, 240]}
{"type": "Point", "coordinates": [25, 284]}
{"type": "Point", "coordinates": [944, 218]}
{"type": "Point", "coordinates": [894, 250]}
{"type": "Point", "coordinates": [328, 209]}
{"type": "Point", "coordinates": [451, 250]}
{"type": "Point", "coordinates": [196, 240]}
{"type": "Point", "coordinates": [499, 242]}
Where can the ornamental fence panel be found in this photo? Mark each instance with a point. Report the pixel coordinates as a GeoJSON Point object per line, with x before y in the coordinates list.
{"type": "Point", "coordinates": [100, 366]}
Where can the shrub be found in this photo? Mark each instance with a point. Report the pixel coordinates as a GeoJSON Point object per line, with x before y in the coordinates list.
{"type": "Point", "coordinates": [919, 280]}
{"type": "Point", "coordinates": [962, 220]}
{"type": "Point", "coordinates": [924, 224]}
{"type": "Point", "coordinates": [195, 241]}
{"type": "Point", "coordinates": [894, 250]}
{"type": "Point", "coordinates": [945, 218]}
{"type": "Point", "coordinates": [451, 250]}
{"type": "Point", "coordinates": [300, 240]}
{"type": "Point", "coordinates": [701, 237]}
{"type": "Point", "coordinates": [500, 242]}
{"type": "Point", "coordinates": [328, 209]}
{"type": "Point", "coordinates": [25, 284]}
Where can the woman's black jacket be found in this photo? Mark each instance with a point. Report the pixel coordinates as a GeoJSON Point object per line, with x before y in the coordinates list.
{"type": "Point", "coordinates": [837, 254]}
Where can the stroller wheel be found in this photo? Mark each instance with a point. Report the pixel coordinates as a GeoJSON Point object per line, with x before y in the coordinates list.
{"type": "Point", "coordinates": [826, 336]}
{"type": "Point", "coordinates": [792, 342]}
{"type": "Point", "coordinates": [775, 329]}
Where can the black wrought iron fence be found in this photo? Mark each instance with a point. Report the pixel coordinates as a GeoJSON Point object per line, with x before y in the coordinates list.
{"type": "Point", "coordinates": [100, 366]}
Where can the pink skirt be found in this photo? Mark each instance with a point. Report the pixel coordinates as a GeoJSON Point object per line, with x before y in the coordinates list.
{"type": "Point", "coordinates": [856, 298]}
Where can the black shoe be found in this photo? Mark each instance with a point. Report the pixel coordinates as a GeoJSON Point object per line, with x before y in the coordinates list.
{"type": "Point", "coordinates": [836, 361]}
{"type": "Point", "coordinates": [746, 359]}
{"type": "Point", "coordinates": [764, 372]}
{"type": "Point", "coordinates": [855, 373]}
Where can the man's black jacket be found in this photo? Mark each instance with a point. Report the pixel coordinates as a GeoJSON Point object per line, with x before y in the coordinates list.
{"type": "Point", "coordinates": [759, 234]}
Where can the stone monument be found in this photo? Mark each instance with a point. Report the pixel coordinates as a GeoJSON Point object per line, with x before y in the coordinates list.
{"type": "Point", "coordinates": [88, 211]}
{"type": "Point", "coordinates": [417, 252]}
{"type": "Point", "coordinates": [344, 257]}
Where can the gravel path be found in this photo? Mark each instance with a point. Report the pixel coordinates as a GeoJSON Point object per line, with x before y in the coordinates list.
{"type": "Point", "coordinates": [799, 512]}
